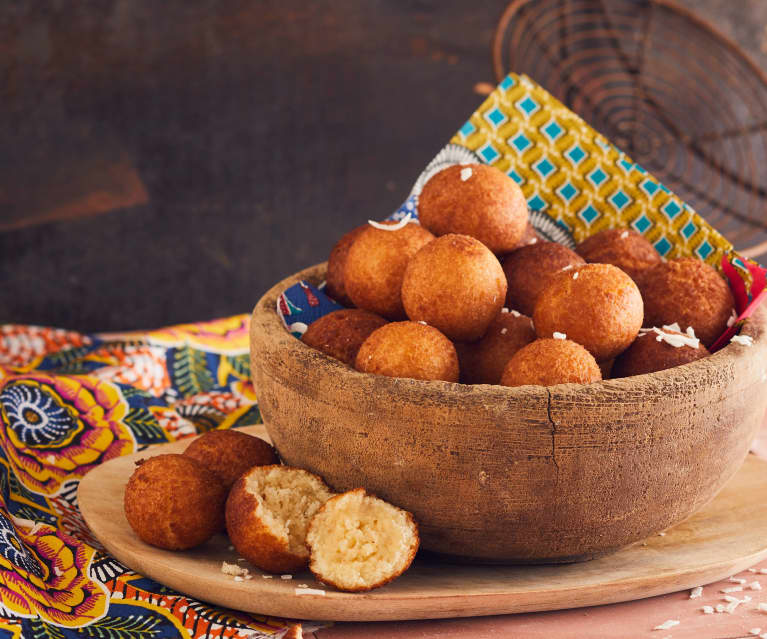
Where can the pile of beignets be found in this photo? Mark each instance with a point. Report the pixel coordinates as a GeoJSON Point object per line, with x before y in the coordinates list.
{"type": "Point", "coordinates": [281, 519]}
{"type": "Point", "coordinates": [470, 293]}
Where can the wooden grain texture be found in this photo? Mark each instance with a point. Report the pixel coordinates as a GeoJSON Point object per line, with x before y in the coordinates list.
{"type": "Point", "coordinates": [525, 474]}
{"type": "Point", "coordinates": [725, 537]}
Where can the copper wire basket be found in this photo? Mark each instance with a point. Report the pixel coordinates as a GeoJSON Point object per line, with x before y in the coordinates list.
{"type": "Point", "coordinates": [667, 88]}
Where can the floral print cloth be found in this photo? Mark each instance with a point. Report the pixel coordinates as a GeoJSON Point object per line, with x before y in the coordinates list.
{"type": "Point", "coordinates": [69, 402]}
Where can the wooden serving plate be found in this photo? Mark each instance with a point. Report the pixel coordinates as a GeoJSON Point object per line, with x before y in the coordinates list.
{"type": "Point", "coordinates": [725, 537]}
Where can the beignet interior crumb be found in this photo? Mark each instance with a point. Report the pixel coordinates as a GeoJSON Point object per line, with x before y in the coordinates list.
{"type": "Point", "coordinates": [287, 501]}
{"type": "Point", "coordinates": [359, 541]}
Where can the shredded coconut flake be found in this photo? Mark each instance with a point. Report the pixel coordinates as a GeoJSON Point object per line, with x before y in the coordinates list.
{"type": "Point", "coordinates": [516, 313]}
{"type": "Point", "coordinates": [309, 591]}
{"type": "Point", "coordinates": [736, 580]}
{"type": "Point", "coordinates": [466, 174]}
{"type": "Point", "coordinates": [661, 534]}
{"type": "Point", "coordinates": [732, 589]}
{"type": "Point", "coordinates": [558, 335]}
{"type": "Point", "coordinates": [566, 268]}
{"type": "Point", "coordinates": [624, 235]}
{"type": "Point", "coordinates": [720, 607]}
{"type": "Point", "coordinates": [672, 339]}
{"type": "Point", "coordinates": [248, 576]}
{"type": "Point", "coordinates": [754, 631]}
{"type": "Point", "coordinates": [286, 576]}
{"type": "Point", "coordinates": [667, 624]}
{"type": "Point", "coordinates": [673, 327]}
{"type": "Point", "coordinates": [745, 340]}
{"type": "Point", "coordinates": [504, 310]}
{"type": "Point", "coordinates": [696, 592]}
{"type": "Point", "coordinates": [575, 275]}
{"type": "Point", "coordinates": [763, 571]}
{"type": "Point", "coordinates": [708, 610]}
{"type": "Point", "coordinates": [732, 319]}
{"type": "Point", "coordinates": [267, 576]}
{"type": "Point", "coordinates": [752, 570]}
{"type": "Point", "coordinates": [762, 607]}
{"type": "Point", "coordinates": [392, 227]}
{"type": "Point", "coordinates": [504, 330]}
{"type": "Point", "coordinates": [238, 578]}
{"type": "Point", "coordinates": [302, 586]}
{"type": "Point", "coordinates": [422, 322]}
{"type": "Point", "coordinates": [755, 585]}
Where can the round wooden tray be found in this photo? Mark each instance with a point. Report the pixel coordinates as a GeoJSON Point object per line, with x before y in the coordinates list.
{"type": "Point", "coordinates": [725, 537]}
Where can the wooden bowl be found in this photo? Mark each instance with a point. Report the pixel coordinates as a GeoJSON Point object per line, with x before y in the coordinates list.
{"type": "Point", "coordinates": [527, 474]}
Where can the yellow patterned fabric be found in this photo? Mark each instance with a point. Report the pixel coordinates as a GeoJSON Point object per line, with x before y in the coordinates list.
{"type": "Point", "coordinates": [577, 176]}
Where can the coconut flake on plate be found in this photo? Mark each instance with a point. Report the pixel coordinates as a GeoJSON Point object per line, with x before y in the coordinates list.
{"type": "Point", "coordinates": [696, 592]}
{"type": "Point", "coordinates": [558, 335]}
{"type": "Point", "coordinates": [745, 340]}
{"type": "Point", "coordinates": [667, 624]}
{"type": "Point", "coordinates": [466, 174]}
{"type": "Point", "coordinates": [233, 569]}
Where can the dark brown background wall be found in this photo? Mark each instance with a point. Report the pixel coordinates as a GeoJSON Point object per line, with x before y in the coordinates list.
{"type": "Point", "coordinates": [168, 162]}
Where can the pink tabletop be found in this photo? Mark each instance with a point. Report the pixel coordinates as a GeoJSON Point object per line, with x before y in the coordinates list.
{"type": "Point", "coordinates": [630, 620]}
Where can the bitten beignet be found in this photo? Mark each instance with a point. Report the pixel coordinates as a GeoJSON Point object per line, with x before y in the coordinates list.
{"type": "Point", "coordinates": [268, 513]}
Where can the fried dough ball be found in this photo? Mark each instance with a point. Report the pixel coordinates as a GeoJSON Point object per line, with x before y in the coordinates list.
{"type": "Point", "coordinates": [483, 361]}
{"type": "Point", "coordinates": [456, 285]}
{"type": "Point", "coordinates": [547, 362]}
{"type": "Point", "coordinates": [229, 453]}
{"type": "Point", "coordinates": [409, 349]}
{"type": "Point", "coordinates": [335, 286]}
{"type": "Point", "coordinates": [359, 542]}
{"type": "Point", "coordinates": [476, 200]}
{"type": "Point", "coordinates": [341, 333]}
{"type": "Point", "coordinates": [268, 513]}
{"type": "Point", "coordinates": [528, 270]}
{"type": "Point", "coordinates": [624, 248]}
{"type": "Point", "coordinates": [596, 305]}
{"type": "Point", "coordinates": [375, 266]}
{"type": "Point", "coordinates": [690, 293]}
{"type": "Point", "coordinates": [657, 350]}
{"type": "Point", "coordinates": [174, 502]}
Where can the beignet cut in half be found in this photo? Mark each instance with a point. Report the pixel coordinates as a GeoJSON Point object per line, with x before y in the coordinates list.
{"type": "Point", "coordinates": [268, 513]}
{"type": "Point", "coordinates": [359, 542]}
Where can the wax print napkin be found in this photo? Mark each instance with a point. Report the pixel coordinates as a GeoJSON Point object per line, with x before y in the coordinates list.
{"type": "Point", "coordinates": [69, 402]}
